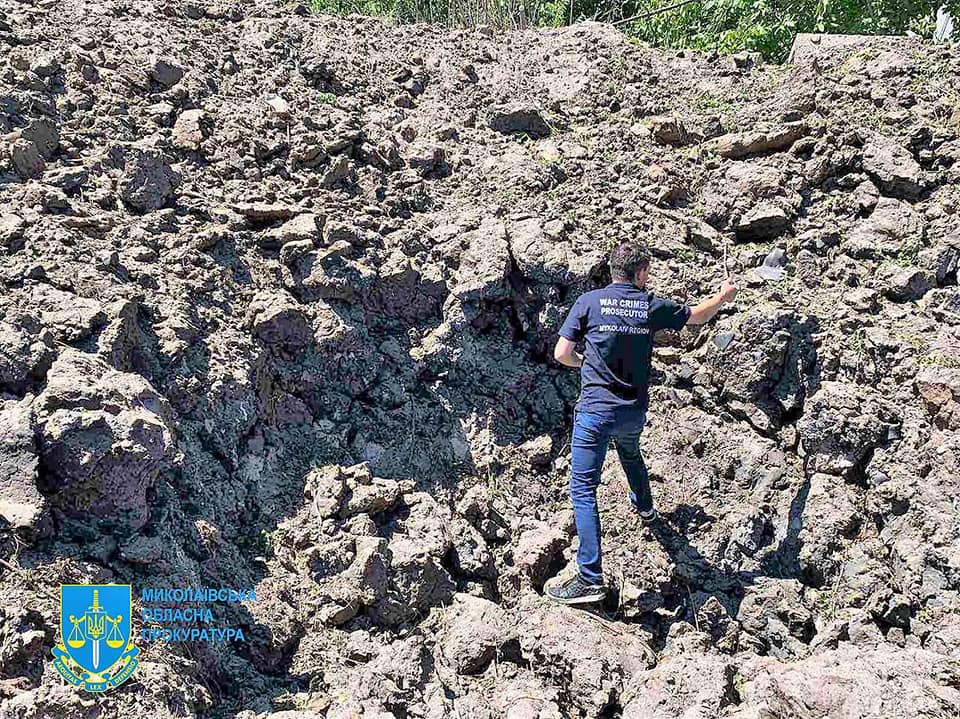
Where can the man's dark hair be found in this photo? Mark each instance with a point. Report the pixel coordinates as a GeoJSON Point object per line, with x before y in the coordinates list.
{"type": "Point", "coordinates": [627, 259]}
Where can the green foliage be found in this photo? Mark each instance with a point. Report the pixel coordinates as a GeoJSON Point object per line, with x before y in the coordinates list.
{"type": "Point", "coordinates": [764, 26]}
{"type": "Point", "coordinates": [769, 26]}
{"type": "Point", "coordinates": [500, 13]}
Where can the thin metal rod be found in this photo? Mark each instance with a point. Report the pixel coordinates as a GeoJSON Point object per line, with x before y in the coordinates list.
{"type": "Point", "coordinates": [651, 13]}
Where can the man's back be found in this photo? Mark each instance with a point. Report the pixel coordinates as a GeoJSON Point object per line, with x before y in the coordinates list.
{"type": "Point", "coordinates": [617, 323]}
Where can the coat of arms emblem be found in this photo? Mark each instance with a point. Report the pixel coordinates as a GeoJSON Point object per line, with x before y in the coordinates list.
{"type": "Point", "coordinates": [96, 649]}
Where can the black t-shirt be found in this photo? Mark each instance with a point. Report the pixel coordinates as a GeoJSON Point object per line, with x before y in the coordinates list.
{"type": "Point", "coordinates": [616, 324]}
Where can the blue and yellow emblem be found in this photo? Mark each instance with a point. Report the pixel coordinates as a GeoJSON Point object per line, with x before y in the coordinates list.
{"type": "Point", "coordinates": [96, 649]}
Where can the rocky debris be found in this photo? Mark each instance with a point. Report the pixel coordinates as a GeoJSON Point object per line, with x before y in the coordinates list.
{"type": "Point", "coordinates": [276, 319]}
{"type": "Point", "coordinates": [941, 261]}
{"type": "Point", "coordinates": [47, 700]}
{"type": "Point", "coordinates": [428, 159]}
{"type": "Point", "coordinates": [369, 495]}
{"type": "Point", "coordinates": [866, 195]}
{"type": "Point", "coordinates": [764, 370]}
{"type": "Point", "coordinates": [684, 685]}
{"type": "Point", "coordinates": [469, 554]}
{"type": "Point", "coordinates": [715, 620]}
{"type": "Point", "coordinates": [478, 509]}
{"type": "Point", "coordinates": [903, 284]}
{"type": "Point", "coordinates": [11, 228]}
{"type": "Point", "coordinates": [892, 225]}
{"type": "Point", "coordinates": [418, 578]}
{"type": "Point", "coordinates": [103, 440]}
{"type": "Point", "coordinates": [475, 629]}
{"type": "Point", "coordinates": [863, 299]}
{"type": "Point", "coordinates": [841, 426]}
{"type": "Point", "coordinates": [737, 146]}
{"type": "Point", "coordinates": [885, 57]}
{"type": "Point", "coordinates": [67, 179]}
{"type": "Point", "coordinates": [538, 450]}
{"type": "Point", "coordinates": [893, 168]}
{"type": "Point", "coordinates": [341, 172]}
{"type": "Point", "coordinates": [538, 550]}
{"type": "Point", "coordinates": [831, 519]}
{"type": "Point", "coordinates": [69, 318]}
{"type": "Point", "coordinates": [350, 491]}
{"type": "Point", "coordinates": [542, 260]}
{"type": "Point", "coordinates": [189, 131]}
{"type": "Point", "coordinates": [21, 503]}
{"type": "Point", "coordinates": [518, 694]}
{"type": "Point", "coordinates": [362, 584]}
{"type": "Point", "coordinates": [166, 72]}
{"type": "Point", "coordinates": [324, 274]}
{"type": "Point", "coordinates": [484, 265]}
{"type": "Point", "coordinates": [821, 684]}
{"type": "Point", "coordinates": [27, 149]}
{"type": "Point", "coordinates": [24, 157]}
{"type": "Point", "coordinates": [575, 650]}
{"type": "Point", "coordinates": [358, 574]}
{"type": "Point", "coordinates": [742, 189]}
{"type": "Point", "coordinates": [303, 228]}
{"type": "Point", "coordinates": [518, 118]}
{"type": "Point", "coordinates": [280, 292]}
{"type": "Point", "coordinates": [773, 611]}
{"type": "Point", "coordinates": [24, 357]}
{"type": "Point", "coordinates": [25, 636]}
{"type": "Point", "coordinates": [44, 133]}
{"type": "Point", "coordinates": [325, 488]}
{"type": "Point", "coordinates": [762, 222]}
{"type": "Point", "coordinates": [263, 212]}
{"type": "Point", "coordinates": [668, 130]}
{"type": "Point", "coordinates": [45, 65]}
{"type": "Point", "coordinates": [148, 182]}
{"type": "Point", "coordinates": [939, 387]}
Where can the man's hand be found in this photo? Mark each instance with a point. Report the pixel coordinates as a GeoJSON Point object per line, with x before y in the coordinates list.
{"type": "Point", "coordinates": [728, 290]}
{"type": "Point", "coordinates": [705, 311]}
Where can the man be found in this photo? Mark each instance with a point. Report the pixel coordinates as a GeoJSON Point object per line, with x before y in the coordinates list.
{"type": "Point", "coordinates": [617, 324]}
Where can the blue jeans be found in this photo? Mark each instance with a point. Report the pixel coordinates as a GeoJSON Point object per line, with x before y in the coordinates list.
{"type": "Point", "coordinates": [592, 433]}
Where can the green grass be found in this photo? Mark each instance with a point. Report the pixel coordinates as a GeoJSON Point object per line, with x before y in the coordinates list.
{"type": "Point", "coordinates": [909, 253]}
{"type": "Point", "coordinates": [858, 344]}
{"type": "Point", "coordinates": [707, 102]}
{"type": "Point", "coordinates": [939, 360]}
{"type": "Point", "coordinates": [549, 160]}
{"type": "Point", "coordinates": [766, 27]}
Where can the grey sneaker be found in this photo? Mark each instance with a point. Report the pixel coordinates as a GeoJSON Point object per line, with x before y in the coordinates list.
{"type": "Point", "coordinates": [576, 591]}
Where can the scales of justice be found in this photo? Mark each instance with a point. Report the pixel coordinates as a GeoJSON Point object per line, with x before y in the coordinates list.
{"type": "Point", "coordinates": [91, 626]}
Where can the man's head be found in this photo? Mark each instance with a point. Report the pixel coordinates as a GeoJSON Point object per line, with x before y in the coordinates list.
{"type": "Point", "coordinates": [630, 262]}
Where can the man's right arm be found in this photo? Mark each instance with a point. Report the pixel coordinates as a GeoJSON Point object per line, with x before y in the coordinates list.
{"type": "Point", "coordinates": [706, 310]}
{"type": "Point", "coordinates": [574, 329]}
{"type": "Point", "coordinates": [566, 353]}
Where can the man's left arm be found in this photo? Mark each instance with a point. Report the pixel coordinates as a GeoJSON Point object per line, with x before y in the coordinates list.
{"type": "Point", "coordinates": [705, 311]}
{"type": "Point", "coordinates": [668, 315]}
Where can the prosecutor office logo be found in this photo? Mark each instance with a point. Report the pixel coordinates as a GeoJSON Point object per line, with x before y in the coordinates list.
{"type": "Point", "coordinates": [96, 650]}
